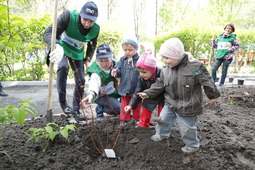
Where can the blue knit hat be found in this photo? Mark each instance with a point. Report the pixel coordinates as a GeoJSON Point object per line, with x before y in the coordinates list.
{"type": "Point", "coordinates": [132, 42]}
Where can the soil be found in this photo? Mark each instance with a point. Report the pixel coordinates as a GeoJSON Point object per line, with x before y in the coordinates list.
{"type": "Point", "coordinates": [226, 130]}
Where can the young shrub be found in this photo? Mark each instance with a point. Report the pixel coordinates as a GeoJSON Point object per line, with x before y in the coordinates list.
{"type": "Point", "coordinates": [12, 114]}
{"type": "Point", "coordinates": [49, 132]}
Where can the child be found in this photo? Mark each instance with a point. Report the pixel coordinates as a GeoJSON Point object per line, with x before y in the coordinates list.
{"type": "Point", "coordinates": [149, 72]}
{"type": "Point", "coordinates": [102, 86]}
{"type": "Point", "coordinates": [126, 71]}
{"type": "Point", "coordinates": [181, 81]}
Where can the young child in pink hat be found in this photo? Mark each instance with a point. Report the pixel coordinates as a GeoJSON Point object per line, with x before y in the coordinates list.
{"type": "Point", "coordinates": [149, 72]}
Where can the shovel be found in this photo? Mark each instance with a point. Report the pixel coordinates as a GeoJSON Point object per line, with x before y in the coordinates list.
{"type": "Point", "coordinates": [51, 75]}
{"type": "Point", "coordinates": [110, 153]}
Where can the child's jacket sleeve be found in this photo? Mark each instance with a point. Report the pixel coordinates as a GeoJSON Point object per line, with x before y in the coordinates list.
{"type": "Point", "coordinates": [206, 81]}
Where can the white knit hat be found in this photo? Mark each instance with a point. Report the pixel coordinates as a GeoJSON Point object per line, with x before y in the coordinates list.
{"type": "Point", "coordinates": [172, 48]}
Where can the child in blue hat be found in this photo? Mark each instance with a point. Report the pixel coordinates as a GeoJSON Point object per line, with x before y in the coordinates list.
{"type": "Point", "coordinates": [102, 86]}
{"type": "Point", "coordinates": [128, 74]}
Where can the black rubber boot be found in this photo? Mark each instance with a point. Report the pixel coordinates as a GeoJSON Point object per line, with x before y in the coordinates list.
{"type": "Point", "coordinates": [66, 108]}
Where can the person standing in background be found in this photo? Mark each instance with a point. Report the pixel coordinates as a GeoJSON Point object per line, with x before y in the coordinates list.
{"type": "Point", "coordinates": [226, 44]}
{"type": "Point", "coordinates": [1, 91]}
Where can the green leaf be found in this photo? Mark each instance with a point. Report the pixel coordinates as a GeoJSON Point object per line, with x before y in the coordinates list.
{"type": "Point", "coordinates": [52, 124]}
{"type": "Point", "coordinates": [53, 135]}
{"type": "Point", "coordinates": [3, 115]}
{"type": "Point", "coordinates": [49, 129]}
{"type": "Point", "coordinates": [19, 115]}
{"type": "Point", "coordinates": [64, 133]}
{"type": "Point", "coordinates": [71, 127]}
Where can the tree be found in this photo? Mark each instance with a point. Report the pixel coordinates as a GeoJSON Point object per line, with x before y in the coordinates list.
{"type": "Point", "coordinates": [138, 6]}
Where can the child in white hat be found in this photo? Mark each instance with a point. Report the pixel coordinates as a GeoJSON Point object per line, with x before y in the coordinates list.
{"type": "Point", "coordinates": [149, 72]}
{"type": "Point", "coordinates": [181, 81]}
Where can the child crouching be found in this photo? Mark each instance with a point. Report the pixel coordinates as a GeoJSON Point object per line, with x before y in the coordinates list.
{"type": "Point", "coordinates": [102, 86]}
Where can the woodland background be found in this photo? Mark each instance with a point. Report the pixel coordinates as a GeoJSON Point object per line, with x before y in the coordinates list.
{"type": "Point", "coordinates": [195, 22]}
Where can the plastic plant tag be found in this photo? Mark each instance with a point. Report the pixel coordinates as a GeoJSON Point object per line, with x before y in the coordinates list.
{"type": "Point", "coordinates": [110, 153]}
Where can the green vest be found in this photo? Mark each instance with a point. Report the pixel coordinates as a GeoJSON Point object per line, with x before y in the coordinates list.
{"type": "Point", "coordinates": [223, 45]}
{"type": "Point", "coordinates": [105, 79]}
{"type": "Point", "coordinates": [73, 41]}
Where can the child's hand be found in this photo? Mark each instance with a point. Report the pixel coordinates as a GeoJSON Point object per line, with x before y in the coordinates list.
{"type": "Point", "coordinates": [212, 101]}
{"type": "Point", "coordinates": [87, 100]}
{"type": "Point", "coordinates": [127, 109]}
{"type": "Point", "coordinates": [143, 95]}
{"type": "Point", "coordinates": [114, 72]}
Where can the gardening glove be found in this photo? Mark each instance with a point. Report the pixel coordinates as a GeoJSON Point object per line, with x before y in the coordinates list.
{"type": "Point", "coordinates": [57, 54]}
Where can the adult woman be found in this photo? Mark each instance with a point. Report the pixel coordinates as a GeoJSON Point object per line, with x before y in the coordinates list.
{"type": "Point", "coordinates": [226, 44]}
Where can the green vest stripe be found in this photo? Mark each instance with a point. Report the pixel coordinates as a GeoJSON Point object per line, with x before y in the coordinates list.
{"type": "Point", "coordinates": [222, 52]}
{"type": "Point", "coordinates": [73, 32]}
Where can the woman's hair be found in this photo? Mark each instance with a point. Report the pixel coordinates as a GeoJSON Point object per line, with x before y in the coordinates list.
{"type": "Point", "coordinates": [232, 26]}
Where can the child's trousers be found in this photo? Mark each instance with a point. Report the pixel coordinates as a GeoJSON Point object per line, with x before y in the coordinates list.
{"type": "Point", "coordinates": [109, 104]}
{"type": "Point", "coordinates": [187, 126]}
{"type": "Point", "coordinates": [126, 116]}
{"type": "Point", "coordinates": [145, 117]}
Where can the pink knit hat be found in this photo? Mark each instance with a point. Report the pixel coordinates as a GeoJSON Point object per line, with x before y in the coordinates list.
{"type": "Point", "coordinates": [172, 48]}
{"type": "Point", "coordinates": [147, 61]}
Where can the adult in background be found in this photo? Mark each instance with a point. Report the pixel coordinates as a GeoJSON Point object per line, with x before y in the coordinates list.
{"type": "Point", "coordinates": [226, 44]}
{"type": "Point", "coordinates": [1, 91]}
{"type": "Point", "coordinates": [74, 30]}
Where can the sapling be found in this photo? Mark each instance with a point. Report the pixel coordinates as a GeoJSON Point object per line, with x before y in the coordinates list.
{"type": "Point", "coordinates": [11, 113]}
{"type": "Point", "coordinates": [10, 159]}
{"type": "Point", "coordinates": [49, 132]}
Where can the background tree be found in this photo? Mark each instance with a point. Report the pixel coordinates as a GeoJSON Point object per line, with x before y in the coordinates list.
{"type": "Point", "coordinates": [138, 7]}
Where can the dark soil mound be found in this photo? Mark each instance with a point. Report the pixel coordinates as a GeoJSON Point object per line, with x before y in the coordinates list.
{"type": "Point", "coordinates": [226, 131]}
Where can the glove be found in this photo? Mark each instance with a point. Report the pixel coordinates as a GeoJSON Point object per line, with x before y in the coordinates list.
{"type": "Point", "coordinates": [57, 54]}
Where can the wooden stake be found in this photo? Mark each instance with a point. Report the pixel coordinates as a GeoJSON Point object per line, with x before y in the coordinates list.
{"type": "Point", "coordinates": [51, 75]}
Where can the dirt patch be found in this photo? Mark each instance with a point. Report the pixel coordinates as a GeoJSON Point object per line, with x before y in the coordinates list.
{"type": "Point", "coordinates": [226, 131]}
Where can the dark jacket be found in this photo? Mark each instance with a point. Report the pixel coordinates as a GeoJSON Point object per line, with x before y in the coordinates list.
{"type": "Point", "coordinates": [128, 75]}
{"type": "Point", "coordinates": [149, 104]}
{"type": "Point", "coordinates": [62, 24]}
{"type": "Point", "coordinates": [182, 85]}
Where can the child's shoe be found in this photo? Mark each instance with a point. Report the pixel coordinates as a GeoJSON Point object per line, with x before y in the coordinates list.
{"type": "Point", "coordinates": [140, 124]}
{"type": "Point", "coordinates": [189, 149]}
{"type": "Point", "coordinates": [158, 138]}
{"type": "Point", "coordinates": [152, 125]}
{"type": "Point", "coordinates": [99, 111]}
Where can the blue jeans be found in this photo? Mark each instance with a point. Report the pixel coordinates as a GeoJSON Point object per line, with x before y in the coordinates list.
{"type": "Point", "coordinates": [187, 125]}
{"type": "Point", "coordinates": [109, 104]}
{"type": "Point", "coordinates": [216, 65]}
{"type": "Point", "coordinates": [78, 69]}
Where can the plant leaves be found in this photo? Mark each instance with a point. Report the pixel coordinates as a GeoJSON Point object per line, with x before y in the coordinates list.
{"type": "Point", "coordinates": [64, 133]}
